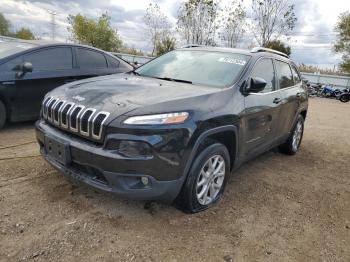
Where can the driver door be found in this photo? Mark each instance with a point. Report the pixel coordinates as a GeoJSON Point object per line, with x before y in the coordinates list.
{"type": "Point", "coordinates": [262, 110]}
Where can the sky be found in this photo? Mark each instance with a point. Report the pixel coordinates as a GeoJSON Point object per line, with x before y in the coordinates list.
{"type": "Point", "coordinates": [311, 41]}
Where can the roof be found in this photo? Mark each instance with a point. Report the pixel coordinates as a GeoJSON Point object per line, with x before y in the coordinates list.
{"type": "Point", "coordinates": [253, 52]}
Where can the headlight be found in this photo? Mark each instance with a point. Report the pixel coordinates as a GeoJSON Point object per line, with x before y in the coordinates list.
{"type": "Point", "coordinates": [160, 119]}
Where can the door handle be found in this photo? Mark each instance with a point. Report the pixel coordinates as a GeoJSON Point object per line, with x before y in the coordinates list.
{"type": "Point", "coordinates": [277, 100]}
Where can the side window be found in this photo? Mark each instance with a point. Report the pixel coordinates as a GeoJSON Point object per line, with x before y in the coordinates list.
{"type": "Point", "coordinates": [51, 59]}
{"type": "Point", "coordinates": [265, 70]}
{"type": "Point", "coordinates": [113, 63]}
{"type": "Point", "coordinates": [9, 65]}
{"type": "Point", "coordinates": [296, 75]}
{"type": "Point", "coordinates": [89, 59]}
{"type": "Point", "coordinates": [284, 74]}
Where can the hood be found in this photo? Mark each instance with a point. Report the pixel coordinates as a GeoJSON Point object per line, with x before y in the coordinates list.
{"type": "Point", "coordinates": [119, 94]}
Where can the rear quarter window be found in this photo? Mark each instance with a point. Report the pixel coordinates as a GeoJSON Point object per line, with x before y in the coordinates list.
{"type": "Point", "coordinates": [90, 59]}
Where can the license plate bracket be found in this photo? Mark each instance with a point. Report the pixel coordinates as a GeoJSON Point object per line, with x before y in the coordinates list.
{"type": "Point", "coordinates": [58, 150]}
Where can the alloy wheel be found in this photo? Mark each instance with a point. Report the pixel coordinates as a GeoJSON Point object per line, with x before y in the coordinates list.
{"type": "Point", "coordinates": [210, 180]}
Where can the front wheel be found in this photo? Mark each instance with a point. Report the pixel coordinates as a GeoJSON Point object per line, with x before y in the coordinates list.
{"type": "Point", "coordinates": [206, 180]}
{"type": "Point", "coordinates": [291, 146]}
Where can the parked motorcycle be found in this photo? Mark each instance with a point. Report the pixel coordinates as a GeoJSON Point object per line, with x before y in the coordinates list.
{"type": "Point", "coordinates": [344, 96]}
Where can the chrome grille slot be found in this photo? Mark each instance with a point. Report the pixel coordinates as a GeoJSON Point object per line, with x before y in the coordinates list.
{"type": "Point", "coordinates": [44, 108]}
{"type": "Point", "coordinates": [85, 121]}
{"type": "Point", "coordinates": [49, 109]}
{"type": "Point", "coordinates": [55, 112]}
{"type": "Point", "coordinates": [74, 118]}
{"type": "Point", "coordinates": [64, 114]}
{"type": "Point", "coordinates": [97, 124]}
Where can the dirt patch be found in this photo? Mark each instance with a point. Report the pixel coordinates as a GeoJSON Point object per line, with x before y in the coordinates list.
{"type": "Point", "coordinates": [275, 208]}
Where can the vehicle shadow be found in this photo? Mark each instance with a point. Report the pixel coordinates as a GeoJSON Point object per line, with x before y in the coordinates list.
{"type": "Point", "coordinates": [18, 126]}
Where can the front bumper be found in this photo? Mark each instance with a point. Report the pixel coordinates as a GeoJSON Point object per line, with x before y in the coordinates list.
{"type": "Point", "coordinates": [92, 165]}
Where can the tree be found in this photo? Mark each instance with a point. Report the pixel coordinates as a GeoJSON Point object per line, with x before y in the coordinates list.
{"type": "Point", "coordinates": [157, 24]}
{"type": "Point", "coordinates": [25, 33]}
{"type": "Point", "coordinates": [4, 26]}
{"type": "Point", "coordinates": [342, 44]}
{"type": "Point", "coordinates": [279, 46]}
{"type": "Point", "coordinates": [233, 23]}
{"type": "Point", "coordinates": [99, 34]}
{"type": "Point", "coordinates": [272, 19]}
{"type": "Point", "coordinates": [197, 21]}
{"type": "Point", "coordinates": [165, 44]}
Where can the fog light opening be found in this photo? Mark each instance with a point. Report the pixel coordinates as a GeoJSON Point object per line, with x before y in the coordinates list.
{"type": "Point", "coordinates": [145, 181]}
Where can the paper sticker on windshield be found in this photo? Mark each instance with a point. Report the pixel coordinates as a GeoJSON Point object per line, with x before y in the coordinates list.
{"type": "Point", "coordinates": [232, 61]}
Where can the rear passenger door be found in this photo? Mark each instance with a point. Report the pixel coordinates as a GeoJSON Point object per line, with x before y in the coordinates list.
{"type": "Point", "coordinates": [262, 110]}
{"type": "Point", "coordinates": [291, 89]}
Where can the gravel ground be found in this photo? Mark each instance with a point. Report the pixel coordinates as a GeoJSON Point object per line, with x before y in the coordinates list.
{"type": "Point", "coordinates": [275, 208]}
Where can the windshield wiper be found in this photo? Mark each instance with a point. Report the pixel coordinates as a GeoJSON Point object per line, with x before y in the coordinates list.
{"type": "Point", "coordinates": [174, 80]}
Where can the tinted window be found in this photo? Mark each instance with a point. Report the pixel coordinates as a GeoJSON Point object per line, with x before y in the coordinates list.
{"type": "Point", "coordinates": [265, 70]}
{"type": "Point", "coordinates": [296, 76]}
{"type": "Point", "coordinates": [284, 74]}
{"type": "Point", "coordinates": [89, 59]}
{"type": "Point", "coordinates": [113, 63]}
{"type": "Point", "coordinates": [210, 68]}
{"type": "Point", "coordinates": [8, 66]}
{"type": "Point", "coordinates": [58, 58]}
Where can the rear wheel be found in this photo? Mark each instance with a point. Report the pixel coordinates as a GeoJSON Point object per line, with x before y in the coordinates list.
{"type": "Point", "coordinates": [2, 115]}
{"type": "Point", "coordinates": [206, 180]}
{"type": "Point", "coordinates": [291, 146]}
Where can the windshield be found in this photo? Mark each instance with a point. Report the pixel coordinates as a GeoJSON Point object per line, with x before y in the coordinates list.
{"type": "Point", "coordinates": [216, 69]}
{"type": "Point", "coordinates": [10, 48]}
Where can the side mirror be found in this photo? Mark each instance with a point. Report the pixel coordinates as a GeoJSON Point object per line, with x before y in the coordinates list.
{"type": "Point", "coordinates": [257, 85]}
{"type": "Point", "coordinates": [23, 68]}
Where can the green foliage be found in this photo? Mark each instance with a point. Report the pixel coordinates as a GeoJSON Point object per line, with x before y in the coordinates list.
{"type": "Point", "coordinates": [165, 44]}
{"type": "Point", "coordinates": [25, 33]}
{"type": "Point", "coordinates": [279, 46]}
{"type": "Point", "coordinates": [342, 44]}
{"type": "Point", "coordinates": [98, 33]}
{"type": "Point", "coordinates": [4, 26]}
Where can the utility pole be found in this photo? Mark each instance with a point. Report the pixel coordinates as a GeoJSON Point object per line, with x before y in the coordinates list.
{"type": "Point", "coordinates": [53, 24]}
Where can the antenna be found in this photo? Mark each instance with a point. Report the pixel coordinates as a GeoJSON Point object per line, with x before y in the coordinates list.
{"type": "Point", "coordinates": [53, 24]}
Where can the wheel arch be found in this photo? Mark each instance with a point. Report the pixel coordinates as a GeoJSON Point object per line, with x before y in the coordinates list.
{"type": "Point", "coordinates": [226, 135]}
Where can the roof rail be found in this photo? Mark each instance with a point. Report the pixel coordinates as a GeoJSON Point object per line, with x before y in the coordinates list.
{"type": "Point", "coordinates": [269, 50]}
{"type": "Point", "coordinates": [193, 45]}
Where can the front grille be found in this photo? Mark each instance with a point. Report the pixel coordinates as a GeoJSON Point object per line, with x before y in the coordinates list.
{"type": "Point", "coordinates": [74, 118]}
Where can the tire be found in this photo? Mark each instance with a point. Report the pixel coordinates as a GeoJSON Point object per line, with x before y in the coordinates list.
{"type": "Point", "coordinates": [189, 199]}
{"type": "Point", "coordinates": [344, 98]}
{"type": "Point", "coordinates": [2, 115]}
{"type": "Point", "coordinates": [291, 146]}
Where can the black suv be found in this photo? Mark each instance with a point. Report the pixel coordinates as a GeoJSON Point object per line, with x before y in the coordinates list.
{"type": "Point", "coordinates": [176, 127]}
{"type": "Point", "coordinates": [30, 69]}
